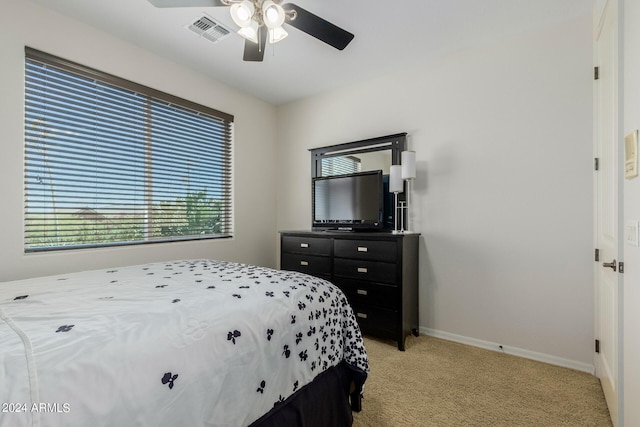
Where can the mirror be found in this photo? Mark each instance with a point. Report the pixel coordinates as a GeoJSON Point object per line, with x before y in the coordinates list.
{"type": "Point", "coordinates": [352, 163]}
{"type": "Point", "coordinates": [358, 156]}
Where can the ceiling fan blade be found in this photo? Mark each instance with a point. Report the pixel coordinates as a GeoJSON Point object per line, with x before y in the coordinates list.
{"type": "Point", "coordinates": [318, 27]}
{"type": "Point", "coordinates": [255, 51]}
{"type": "Point", "coordinates": [186, 3]}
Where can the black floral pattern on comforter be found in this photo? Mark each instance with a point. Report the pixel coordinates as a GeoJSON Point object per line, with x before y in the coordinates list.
{"type": "Point", "coordinates": [195, 342]}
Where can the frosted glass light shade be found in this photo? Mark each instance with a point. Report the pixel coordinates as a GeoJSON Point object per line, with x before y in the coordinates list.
{"type": "Point", "coordinates": [395, 179]}
{"type": "Point", "coordinates": [277, 34]}
{"type": "Point", "coordinates": [242, 13]}
{"type": "Point", "coordinates": [272, 14]}
{"type": "Point", "coordinates": [250, 32]}
{"type": "Point", "coordinates": [408, 164]}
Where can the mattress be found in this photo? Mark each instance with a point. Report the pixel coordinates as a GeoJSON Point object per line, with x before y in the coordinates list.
{"type": "Point", "coordinates": [180, 343]}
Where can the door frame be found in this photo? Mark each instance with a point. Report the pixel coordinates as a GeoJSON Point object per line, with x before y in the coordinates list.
{"type": "Point", "coordinates": [618, 124]}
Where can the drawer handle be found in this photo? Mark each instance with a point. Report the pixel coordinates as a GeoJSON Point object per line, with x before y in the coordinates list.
{"type": "Point", "coordinates": [362, 315]}
{"type": "Point", "coordinates": [304, 263]}
{"type": "Point", "coordinates": [362, 270]}
{"type": "Point", "coordinates": [362, 249]}
{"type": "Point", "coordinates": [304, 245]}
{"type": "Point", "coordinates": [362, 292]}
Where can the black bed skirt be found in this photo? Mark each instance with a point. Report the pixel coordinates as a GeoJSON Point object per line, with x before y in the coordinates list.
{"type": "Point", "coordinates": [327, 401]}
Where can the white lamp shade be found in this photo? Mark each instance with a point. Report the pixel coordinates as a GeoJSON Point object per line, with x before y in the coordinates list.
{"type": "Point", "coordinates": [408, 164]}
{"type": "Point", "coordinates": [395, 179]}
{"type": "Point", "coordinates": [272, 14]}
{"type": "Point", "coordinates": [250, 32]}
{"type": "Point", "coordinates": [242, 13]}
{"type": "Point", "coordinates": [277, 34]}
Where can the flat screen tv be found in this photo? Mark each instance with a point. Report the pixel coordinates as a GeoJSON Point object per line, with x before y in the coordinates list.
{"type": "Point", "coordinates": [348, 202]}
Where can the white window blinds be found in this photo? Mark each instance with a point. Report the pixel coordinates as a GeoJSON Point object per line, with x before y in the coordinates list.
{"type": "Point", "coordinates": [111, 162]}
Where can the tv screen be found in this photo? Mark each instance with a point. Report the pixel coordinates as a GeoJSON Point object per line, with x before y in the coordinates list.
{"type": "Point", "coordinates": [351, 201]}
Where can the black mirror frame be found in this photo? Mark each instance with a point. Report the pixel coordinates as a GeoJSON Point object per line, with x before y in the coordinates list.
{"type": "Point", "coordinates": [396, 143]}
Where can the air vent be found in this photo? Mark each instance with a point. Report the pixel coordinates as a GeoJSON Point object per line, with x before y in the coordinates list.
{"type": "Point", "coordinates": [211, 30]}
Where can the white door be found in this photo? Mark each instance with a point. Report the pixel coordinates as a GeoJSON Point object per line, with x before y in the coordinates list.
{"type": "Point", "coordinates": [607, 207]}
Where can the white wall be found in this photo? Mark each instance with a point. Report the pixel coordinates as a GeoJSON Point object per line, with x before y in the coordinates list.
{"type": "Point", "coordinates": [631, 298]}
{"type": "Point", "coordinates": [502, 198]}
{"type": "Point", "coordinates": [24, 23]}
{"type": "Point", "coordinates": [503, 195]}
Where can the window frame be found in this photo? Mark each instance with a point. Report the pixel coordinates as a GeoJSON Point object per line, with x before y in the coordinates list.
{"type": "Point", "coordinates": [151, 96]}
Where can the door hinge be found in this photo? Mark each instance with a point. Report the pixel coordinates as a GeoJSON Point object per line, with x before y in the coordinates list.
{"type": "Point", "coordinates": [596, 163]}
{"type": "Point", "coordinates": [597, 257]}
{"type": "Point", "coordinates": [597, 346]}
{"type": "Point", "coordinates": [621, 267]}
{"type": "Point", "coordinates": [596, 73]}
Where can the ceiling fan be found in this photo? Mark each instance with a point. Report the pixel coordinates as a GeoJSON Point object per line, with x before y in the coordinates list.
{"type": "Point", "coordinates": [262, 20]}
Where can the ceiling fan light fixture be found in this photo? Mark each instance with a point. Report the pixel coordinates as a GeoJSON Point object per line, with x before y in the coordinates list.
{"type": "Point", "coordinates": [277, 34]}
{"type": "Point", "coordinates": [272, 14]}
{"type": "Point", "coordinates": [242, 13]}
{"type": "Point", "coordinates": [252, 15]}
{"type": "Point", "coordinates": [250, 32]}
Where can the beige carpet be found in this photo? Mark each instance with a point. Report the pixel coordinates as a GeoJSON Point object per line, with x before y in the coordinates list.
{"type": "Point", "coordinates": [441, 383]}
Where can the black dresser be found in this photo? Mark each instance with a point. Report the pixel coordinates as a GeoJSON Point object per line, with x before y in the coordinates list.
{"type": "Point", "coordinates": [378, 272]}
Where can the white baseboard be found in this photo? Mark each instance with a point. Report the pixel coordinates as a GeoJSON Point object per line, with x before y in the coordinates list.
{"type": "Point", "coordinates": [527, 354]}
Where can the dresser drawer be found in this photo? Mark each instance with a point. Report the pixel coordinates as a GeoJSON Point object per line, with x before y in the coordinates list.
{"type": "Point", "coordinates": [365, 249]}
{"type": "Point", "coordinates": [310, 264]}
{"type": "Point", "coordinates": [306, 245]}
{"type": "Point", "coordinates": [376, 321]}
{"type": "Point", "coordinates": [365, 270]}
{"type": "Point", "coordinates": [360, 292]}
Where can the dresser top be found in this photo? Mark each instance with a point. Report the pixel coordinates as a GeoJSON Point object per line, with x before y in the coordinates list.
{"type": "Point", "coordinates": [351, 234]}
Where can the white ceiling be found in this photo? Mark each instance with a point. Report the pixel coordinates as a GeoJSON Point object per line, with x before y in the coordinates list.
{"type": "Point", "coordinates": [388, 35]}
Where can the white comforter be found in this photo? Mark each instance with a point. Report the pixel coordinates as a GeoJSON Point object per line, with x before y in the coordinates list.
{"type": "Point", "coordinates": [186, 343]}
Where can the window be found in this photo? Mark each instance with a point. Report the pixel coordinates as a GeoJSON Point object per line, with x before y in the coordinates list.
{"type": "Point", "coordinates": [111, 162]}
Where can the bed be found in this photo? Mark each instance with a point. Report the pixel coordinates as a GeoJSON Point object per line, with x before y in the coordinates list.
{"type": "Point", "coordinates": [181, 343]}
